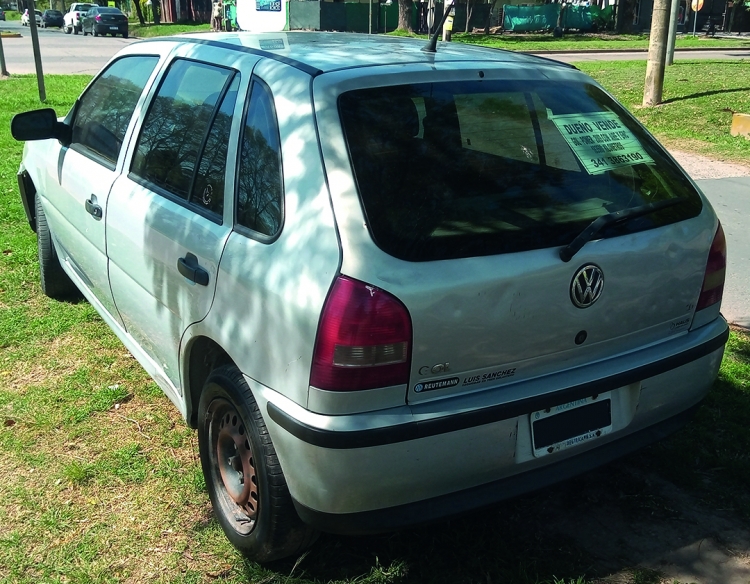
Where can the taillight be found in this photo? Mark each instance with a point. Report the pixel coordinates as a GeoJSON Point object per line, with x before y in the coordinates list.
{"type": "Point", "coordinates": [98, 18]}
{"type": "Point", "coordinates": [716, 269]}
{"type": "Point", "coordinates": [364, 339]}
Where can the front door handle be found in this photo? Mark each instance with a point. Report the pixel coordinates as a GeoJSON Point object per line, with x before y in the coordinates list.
{"type": "Point", "coordinates": [189, 267]}
{"type": "Point", "coordinates": [92, 208]}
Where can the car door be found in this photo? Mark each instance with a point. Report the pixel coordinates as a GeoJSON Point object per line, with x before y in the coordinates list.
{"type": "Point", "coordinates": [167, 231]}
{"type": "Point", "coordinates": [75, 200]}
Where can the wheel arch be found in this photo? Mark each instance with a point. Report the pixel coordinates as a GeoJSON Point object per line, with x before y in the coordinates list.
{"type": "Point", "coordinates": [202, 356]}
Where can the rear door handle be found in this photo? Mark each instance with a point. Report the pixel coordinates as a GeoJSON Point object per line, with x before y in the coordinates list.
{"type": "Point", "coordinates": [189, 267]}
{"type": "Point", "coordinates": [92, 208]}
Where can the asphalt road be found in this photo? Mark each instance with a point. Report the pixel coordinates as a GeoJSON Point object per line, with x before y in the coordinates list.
{"type": "Point", "coordinates": [61, 53]}
{"type": "Point", "coordinates": [68, 53]}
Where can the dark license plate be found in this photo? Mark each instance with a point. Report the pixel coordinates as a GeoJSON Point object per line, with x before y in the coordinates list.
{"type": "Point", "coordinates": [571, 424]}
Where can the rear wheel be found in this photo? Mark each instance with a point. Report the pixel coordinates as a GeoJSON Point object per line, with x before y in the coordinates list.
{"type": "Point", "coordinates": [124, 35]}
{"type": "Point", "coordinates": [53, 279]}
{"type": "Point", "coordinates": [244, 479]}
{"type": "Point", "coordinates": [67, 29]}
{"type": "Point", "coordinates": [75, 29]}
{"type": "Point", "coordinates": [94, 31]}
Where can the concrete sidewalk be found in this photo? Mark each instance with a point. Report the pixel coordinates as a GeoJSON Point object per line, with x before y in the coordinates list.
{"type": "Point", "coordinates": [727, 187]}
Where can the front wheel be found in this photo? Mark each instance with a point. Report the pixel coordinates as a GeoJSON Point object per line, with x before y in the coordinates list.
{"type": "Point", "coordinates": [248, 490]}
{"type": "Point", "coordinates": [53, 279]}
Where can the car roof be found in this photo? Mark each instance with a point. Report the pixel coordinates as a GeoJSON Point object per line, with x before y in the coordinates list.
{"type": "Point", "coordinates": [322, 52]}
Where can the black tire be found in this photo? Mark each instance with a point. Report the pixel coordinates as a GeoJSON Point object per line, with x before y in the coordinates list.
{"type": "Point", "coordinates": [124, 35]}
{"type": "Point", "coordinates": [75, 29]}
{"type": "Point", "coordinates": [93, 30]}
{"type": "Point", "coordinates": [67, 29]}
{"type": "Point", "coordinates": [257, 515]}
{"type": "Point", "coordinates": [53, 279]}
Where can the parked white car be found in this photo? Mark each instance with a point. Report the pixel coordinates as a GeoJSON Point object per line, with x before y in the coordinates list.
{"type": "Point", "coordinates": [387, 285]}
{"type": "Point", "coordinates": [73, 18]}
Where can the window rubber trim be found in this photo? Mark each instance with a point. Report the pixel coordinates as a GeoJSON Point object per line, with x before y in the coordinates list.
{"type": "Point", "coordinates": [421, 429]}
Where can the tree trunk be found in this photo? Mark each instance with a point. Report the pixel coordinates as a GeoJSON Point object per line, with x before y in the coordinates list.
{"type": "Point", "coordinates": [404, 15]}
{"type": "Point", "coordinates": [735, 5]}
{"type": "Point", "coordinates": [489, 17]}
{"type": "Point", "coordinates": [137, 4]}
{"type": "Point", "coordinates": [657, 52]}
{"type": "Point", "coordinates": [469, 9]}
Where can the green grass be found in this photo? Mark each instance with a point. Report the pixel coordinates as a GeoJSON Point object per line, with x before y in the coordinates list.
{"type": "Point", "coordinates": [699, 98]}
{"type": "Point", "coordinates": [586, 41]}
{"type": "Point", "coordinates": [157, 30]}
{"type": "Point", "coordinates": [102, 483]}
{"type": "Point", "coordinates": [12, 15]}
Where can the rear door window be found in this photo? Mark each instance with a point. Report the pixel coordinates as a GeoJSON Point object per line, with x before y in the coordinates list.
{"type": "Point", "coordinates": [460, 169]}
{"type": "Point", "coordinates": [182, 148]}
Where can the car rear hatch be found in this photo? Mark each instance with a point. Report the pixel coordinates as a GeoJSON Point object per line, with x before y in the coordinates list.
{"type": "Point", "coordinates": [474, 190]}
{"type": "Point", "coordinates": [113, 19]}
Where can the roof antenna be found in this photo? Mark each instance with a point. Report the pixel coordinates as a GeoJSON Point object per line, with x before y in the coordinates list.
{"type": "Point", "coordinates": [431, 46]}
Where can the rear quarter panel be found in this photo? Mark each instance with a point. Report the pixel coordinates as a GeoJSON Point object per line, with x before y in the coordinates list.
{"type": "Point", "coordinates": [269, 296]}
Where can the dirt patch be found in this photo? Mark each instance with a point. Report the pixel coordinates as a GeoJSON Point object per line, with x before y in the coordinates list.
{"type": "Point", "coordinates": [702, 167]}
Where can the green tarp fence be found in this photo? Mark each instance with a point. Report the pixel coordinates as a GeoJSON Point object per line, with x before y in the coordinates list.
{"type": "Point", "coordinates": [355, 16]}
{"type": "Point", "coordinates": [577, 17]}
{"type": "Point", "coordinates": [544, 17]}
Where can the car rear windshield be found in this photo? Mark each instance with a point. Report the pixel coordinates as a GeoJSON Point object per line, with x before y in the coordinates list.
{"type": "Point", "coordinates": [461, 169]}
{"type": "Point", "coordinates": [109, 11]}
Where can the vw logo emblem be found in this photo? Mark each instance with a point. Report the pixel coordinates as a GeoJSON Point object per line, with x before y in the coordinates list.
{"type": "Point", "coordinates": [587, 286]}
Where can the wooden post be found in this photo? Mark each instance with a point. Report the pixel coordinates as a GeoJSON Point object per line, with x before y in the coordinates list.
{"type": "Point", "coordinates": [37, 54]}
{"type": "Point", "coordinates": [657, 52]}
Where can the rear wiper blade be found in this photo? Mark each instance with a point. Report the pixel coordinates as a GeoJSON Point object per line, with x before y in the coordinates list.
{"type": "Point", "coordinates": [567, 252]}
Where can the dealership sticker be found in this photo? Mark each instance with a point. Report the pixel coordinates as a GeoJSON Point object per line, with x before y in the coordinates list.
{"type": "Point", "coordinates": [494, 376]}
{"type": "Point", "coordinates": [600, 141]}
{"type": "Point", "coordinates": [436, 384]}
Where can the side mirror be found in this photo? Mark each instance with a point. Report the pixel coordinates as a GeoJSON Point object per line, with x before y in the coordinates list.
{"type": "Point", "coordinates": [39, 125]}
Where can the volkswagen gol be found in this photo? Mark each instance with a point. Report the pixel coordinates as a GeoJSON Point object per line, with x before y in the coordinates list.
{"type": "Point", "coordinates": [387, 285]}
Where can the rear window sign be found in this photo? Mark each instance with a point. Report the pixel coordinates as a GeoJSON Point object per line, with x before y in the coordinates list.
{"type": "Point", "coordinates": [600, 141]}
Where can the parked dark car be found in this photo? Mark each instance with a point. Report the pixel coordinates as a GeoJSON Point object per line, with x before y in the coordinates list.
{"type": "Point", "coordinates": [52, 18]}
{"type": "Point", "coordinates": [2, 14]}
{"type": "Point", "coordinates": [105, 20]}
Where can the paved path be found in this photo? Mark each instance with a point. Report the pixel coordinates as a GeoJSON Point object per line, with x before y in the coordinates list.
{"type": "Point", "coordinates": [679, 55]}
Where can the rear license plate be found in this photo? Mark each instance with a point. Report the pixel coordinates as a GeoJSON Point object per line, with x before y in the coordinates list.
{"type": "Point", "coordinates": [114, 28]}
{"type": "Point", "coordinates": [571, 424]}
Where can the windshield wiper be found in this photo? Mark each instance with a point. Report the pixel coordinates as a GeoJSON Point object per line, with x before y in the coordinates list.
{"type": "Point", "coordinates": [567, 252]}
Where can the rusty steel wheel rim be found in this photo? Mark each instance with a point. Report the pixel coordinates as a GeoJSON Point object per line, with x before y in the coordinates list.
{"type": "Point", "coordinates": [234, 466]}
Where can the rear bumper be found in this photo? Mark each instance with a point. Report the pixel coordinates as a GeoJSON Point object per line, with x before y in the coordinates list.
{"type": "Point", "coordinates": [455, 504]}
{"type": "Point", "coordinates": [110, 28]}
{"type": "Point", "coordinates": [386, 469]}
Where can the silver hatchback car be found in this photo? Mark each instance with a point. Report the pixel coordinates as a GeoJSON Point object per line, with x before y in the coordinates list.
{"type": "Point", "coordinates": [387, 285]}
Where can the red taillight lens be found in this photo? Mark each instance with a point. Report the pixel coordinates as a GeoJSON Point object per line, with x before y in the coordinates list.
{"type": "Point", "coordinates": [364, 339]}
{"type": "Point", "coordinates": [98, 18]}
{"type": "Point", "coordinates": [716, 269]}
